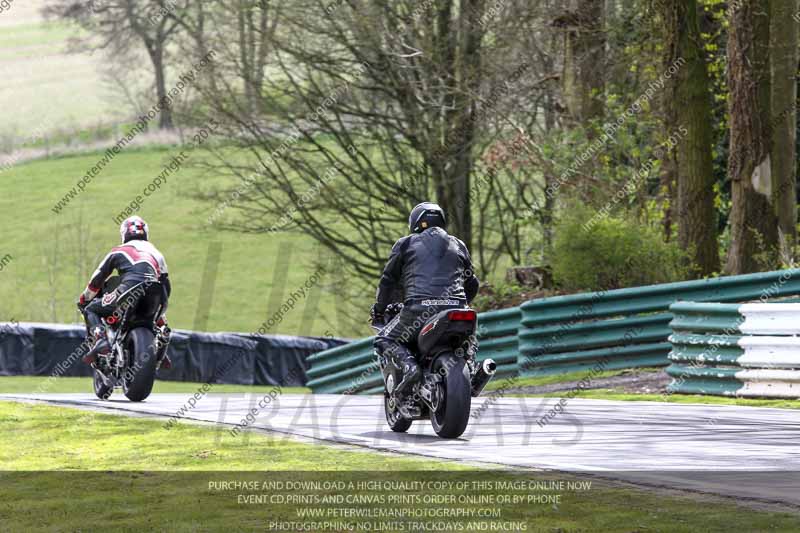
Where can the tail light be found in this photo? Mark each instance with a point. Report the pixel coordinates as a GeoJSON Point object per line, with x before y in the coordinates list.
{"type": "Point", "coordinates": [462, 316]}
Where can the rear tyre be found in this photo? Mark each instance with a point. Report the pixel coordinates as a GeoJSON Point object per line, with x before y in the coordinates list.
{"type": "Point", "coordinates": [137, 382]}
{"type": "Point", "coordinates": [101, 390]}
{"type": "Point", "coordinates": [396, 422]}
{"type": "Point", "coordinates": [451, 416]}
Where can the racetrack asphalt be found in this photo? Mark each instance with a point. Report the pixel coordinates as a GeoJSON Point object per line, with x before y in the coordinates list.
{"type": "Point", "coordinates": [742, 452]}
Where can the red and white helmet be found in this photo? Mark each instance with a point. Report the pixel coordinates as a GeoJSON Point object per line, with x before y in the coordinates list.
{"type": "Point", "coordinates": [134, 228]}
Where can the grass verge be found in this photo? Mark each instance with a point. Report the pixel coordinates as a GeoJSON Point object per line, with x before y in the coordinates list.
{"type": "Point", "coordinates": [610, 394]}
{"type": "Point", "coordinates": [41, 437]}
{"type": "Point", "coordinates": [30, 384]}
{"type": "Point", "coordinates": [498, 383]}
{"type": "Point", "coordinates": [134, 475]}
{"type": "Point", "coordinates": [621, 395]}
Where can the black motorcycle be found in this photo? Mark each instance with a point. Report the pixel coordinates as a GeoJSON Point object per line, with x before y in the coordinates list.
{"type": "Point", "coordinates": [445, 348]}
{"type": "Point", "coordinates": [137, 344]}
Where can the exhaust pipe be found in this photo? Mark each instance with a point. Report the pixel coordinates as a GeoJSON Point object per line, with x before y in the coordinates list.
{"type": "Point", "coordinates": [483, 376]}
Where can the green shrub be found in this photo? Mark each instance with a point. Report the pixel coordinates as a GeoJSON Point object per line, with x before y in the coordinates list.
{"type": "Point", "coordinates": [608, 252]}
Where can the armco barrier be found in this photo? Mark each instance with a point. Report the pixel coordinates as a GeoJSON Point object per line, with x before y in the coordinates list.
{"type": "Point", "coordinates": [747, 350]}
{"type": "Point", "coordinates": [353, 368]}
{"type": "Point", "coordinates": [52, 350]}
{"type": "Point", "coordinates": [345, 369]}
{"type": "Point", "coordinates": [497, 336]}
{"type": "Point", "coordinates": [625, 328]}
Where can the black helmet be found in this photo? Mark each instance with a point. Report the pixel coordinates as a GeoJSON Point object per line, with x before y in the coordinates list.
{"type": "Point", "coordinates": [426, 215]}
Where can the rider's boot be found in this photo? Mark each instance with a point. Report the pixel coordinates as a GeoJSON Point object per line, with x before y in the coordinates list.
{"type": "Point", "coordinates": [402, 358]}
{"type": "Point", "coordinates": [166, 363]}
{"type": "Point", "coordinates": [408, 408]}
{"type": "Point", "coordinates": [100, 346]}
{"type": "Point", "coordinates": [163, 336]}
{"type": "Point", "coordinates": [410, 368]}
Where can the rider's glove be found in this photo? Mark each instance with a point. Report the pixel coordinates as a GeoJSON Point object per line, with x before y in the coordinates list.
{"type": "Point", "coordinates": [376, 314]}
{"type": "Point", "coordinates": [81, 303]}
{"type": "Point", "coordinates": [393, 309]}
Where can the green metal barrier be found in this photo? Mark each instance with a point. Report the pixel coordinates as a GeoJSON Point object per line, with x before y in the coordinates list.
{"type": "Point", "coordinates": [617, 329]}
{"type": "Point", "coordinates": [497, 339]}
{"type": "Point", "coordinates": [627, 328]}
{"type": "Point", "coordinates": [353, 368]}
{"type": "Point", "coordinates": [706, 317]}
{"type": "Point", "coordinates": [748, 350]}
{"type": "Point", "coordinates": [345, 369]}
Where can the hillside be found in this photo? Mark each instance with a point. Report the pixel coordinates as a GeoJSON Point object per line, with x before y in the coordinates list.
{"type": "Point", "coordinates": [52, 255]}
{"type": "Point", "coordinates": [42, 79]}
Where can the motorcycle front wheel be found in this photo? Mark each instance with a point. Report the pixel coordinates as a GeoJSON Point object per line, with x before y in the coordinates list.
{"type": "Point", "coordinates": [101, 390]}
{"type": "Point", "coordinates": [451, 416]}
{"type": "Point", "coordinates": [137, 382]}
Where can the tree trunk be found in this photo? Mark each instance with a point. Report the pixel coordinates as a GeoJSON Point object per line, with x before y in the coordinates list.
{"type": "Point", "coordinates": [253, 46]}
{"type": "Point", "coordinates": [549, 207]}
{"type": "Point", "coordinates": [783, 61]}
{"type": "Point", "coordinates": [157, 58]}
{"type": "Point", "coordinates": [584, 59]}
{"type": "Point", "coordinates": [668, 179]}
{"type": "Point", "coordinates": [244, 22]}
{"type": "Point", "coordinates": [753, 224]}
{"type": "Point", "coordinates": [266, 30]}
{"type": "Point", "coordinates": [691, 124]}
{"type": "Point", "coordinates": [453, 170]}
{"type": "Point", "coordinates": [611, 11]}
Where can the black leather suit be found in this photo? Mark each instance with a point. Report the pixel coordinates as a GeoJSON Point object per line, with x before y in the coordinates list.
{"type": "Point", "coordinates": [434, 271]}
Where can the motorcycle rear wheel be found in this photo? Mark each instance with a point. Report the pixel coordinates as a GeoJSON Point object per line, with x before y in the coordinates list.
{"type": "Point", "coordinates": [450, 419]}
{"type": "Point", "coordinates": [396, 422]}
{"type": "Point", "coordinates": [137, 383]}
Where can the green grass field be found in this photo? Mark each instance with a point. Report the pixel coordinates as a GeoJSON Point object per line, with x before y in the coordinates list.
{"type": "Point", "coordinates": [52, 438]}
{"type": "Point", "coordinates": [73, 470]}
{"type": "Point", "coordinates": [130, 474]}
{"type": "Point", "coordinates": [43, 85]}
{"type": "Point", "coordinates": [54, 255]}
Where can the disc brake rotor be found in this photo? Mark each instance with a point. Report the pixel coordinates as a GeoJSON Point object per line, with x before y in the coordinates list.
{"type": "Point", "coordinates": [436, 397]}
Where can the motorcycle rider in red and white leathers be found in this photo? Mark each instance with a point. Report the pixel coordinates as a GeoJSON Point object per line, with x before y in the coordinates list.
{"type": "Point", "coordinates": [137, 262]}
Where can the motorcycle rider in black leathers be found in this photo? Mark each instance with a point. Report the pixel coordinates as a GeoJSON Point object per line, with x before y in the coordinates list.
{"type": "Point", "coordinates": [137, 262]}
{"type": "Point", "coordinates": [434, 271]}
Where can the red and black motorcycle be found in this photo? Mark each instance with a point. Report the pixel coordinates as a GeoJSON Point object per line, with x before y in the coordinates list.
{"type": "Point", "coordinates": [138, 344]}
